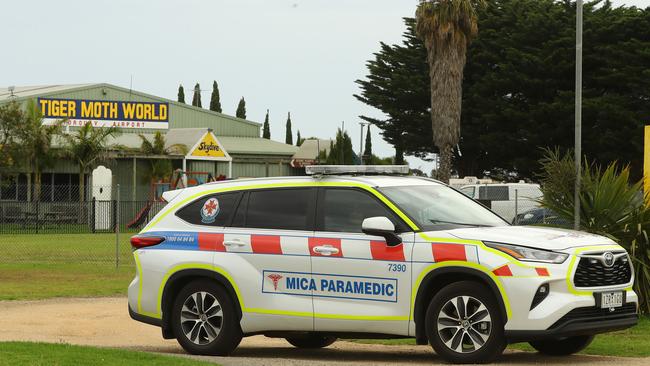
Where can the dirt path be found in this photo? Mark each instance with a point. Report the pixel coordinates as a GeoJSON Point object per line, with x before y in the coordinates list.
{"type": "Point", "coordinates": [105, 322]}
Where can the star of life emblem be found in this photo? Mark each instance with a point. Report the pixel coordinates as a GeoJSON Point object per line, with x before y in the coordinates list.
{"type": "Point", "coordinates": [209, 211]}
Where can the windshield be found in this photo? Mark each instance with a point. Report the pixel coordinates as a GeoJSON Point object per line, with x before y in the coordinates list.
{"type": "Point", "coordinates": [437, 207]}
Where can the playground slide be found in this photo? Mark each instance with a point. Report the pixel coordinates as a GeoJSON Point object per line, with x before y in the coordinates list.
{"type": "Point", "coordinates": [140, 217]}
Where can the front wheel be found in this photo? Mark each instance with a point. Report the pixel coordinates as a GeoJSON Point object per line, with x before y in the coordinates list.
{"type": "Point", "coordinates": [311, 341]}
{"type": "Point", "coordinates": [204, 319]}
{"type": "Point", "coordinates": [464, 325]}
{"type": "Point", "coordinates": [563, 346]}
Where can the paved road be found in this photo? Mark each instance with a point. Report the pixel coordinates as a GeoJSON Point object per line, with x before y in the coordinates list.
{"type": "Point", "coordinates": [105, 322]}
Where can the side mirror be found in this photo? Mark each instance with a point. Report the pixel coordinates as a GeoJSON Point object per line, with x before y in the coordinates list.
{"type": "Point", "coordinates": [381, 226]}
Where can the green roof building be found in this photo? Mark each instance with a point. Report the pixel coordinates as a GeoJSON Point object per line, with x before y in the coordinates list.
{"type": "Point", "coordinates": [218, 146]}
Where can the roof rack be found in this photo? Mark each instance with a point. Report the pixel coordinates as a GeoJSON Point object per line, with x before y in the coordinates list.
{"type": "Point", "coordinates": [357, 170]}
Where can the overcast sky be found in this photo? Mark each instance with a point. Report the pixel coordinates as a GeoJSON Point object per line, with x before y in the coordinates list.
{"type": "Point", "coordinates": [301, 56]}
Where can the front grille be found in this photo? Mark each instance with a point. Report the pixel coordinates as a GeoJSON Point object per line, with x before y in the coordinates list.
{"type": "Point", "coordinates": [593, 273]}
{"type": "Point", "coordinates": [595, 314]}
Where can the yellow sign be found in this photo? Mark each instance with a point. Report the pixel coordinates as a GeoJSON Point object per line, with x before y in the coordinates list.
{"type": "Point", "coordinates": [646, 164]}
{"type": "Point", "coordinates": [208, 147]}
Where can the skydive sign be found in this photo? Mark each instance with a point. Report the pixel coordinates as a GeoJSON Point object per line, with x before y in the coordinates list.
{"type": "Point", "coordinates": [104, 113]}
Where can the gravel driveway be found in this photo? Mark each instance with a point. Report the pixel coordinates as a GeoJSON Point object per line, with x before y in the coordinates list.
{"type": "Point", "coordinates": [105, 322]}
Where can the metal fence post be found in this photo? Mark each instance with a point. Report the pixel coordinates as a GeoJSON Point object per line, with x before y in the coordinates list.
{"type": "Point", "coordinates": [93, 214]}
{"type": "Point", "coordinates": [117, 230]}
{"type": "Point", "coordinates": [516, 207]}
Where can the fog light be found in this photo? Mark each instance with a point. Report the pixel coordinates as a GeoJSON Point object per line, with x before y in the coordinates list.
{"type": "Point", "coordinates": [540, 295]}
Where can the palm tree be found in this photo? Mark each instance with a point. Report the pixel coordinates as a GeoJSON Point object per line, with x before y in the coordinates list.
{"type": "Point", "coordinates": [160, 168]}
{"type": "Point", "coordinates": [87, 146]}
{"type": "Point", "coordinates": [446, 27]}
{"type": "Point", "coordinates": [35, 141]}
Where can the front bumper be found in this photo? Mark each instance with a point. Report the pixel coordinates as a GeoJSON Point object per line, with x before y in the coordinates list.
{"type": "Point", "coordinates": [581, 321]}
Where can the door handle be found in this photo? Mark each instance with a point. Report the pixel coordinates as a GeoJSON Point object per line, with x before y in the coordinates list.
{"type": "Point", "coordinates": [326, 250]}
{"type": "Point", "coordinates": [236, 243]}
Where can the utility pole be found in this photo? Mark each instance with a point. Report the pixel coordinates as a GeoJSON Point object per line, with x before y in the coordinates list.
{"type": "Point", "coordinates": [362, 125]}
{"type": "Point", "coordinates": [578, 116]}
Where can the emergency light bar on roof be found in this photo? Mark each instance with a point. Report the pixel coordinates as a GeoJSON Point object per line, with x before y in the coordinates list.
{"type": "Point", "coordinates": [357, 169]}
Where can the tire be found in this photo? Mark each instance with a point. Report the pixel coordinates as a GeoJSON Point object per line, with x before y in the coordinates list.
{"type": "Point", "coordinates": [563, 346]}
{"type": "Point", "coordinates": [457, 337]}
{"type": "Point", "coordinates": [204, 330]}
{"type": "Point", "coordinates": [311, 340]}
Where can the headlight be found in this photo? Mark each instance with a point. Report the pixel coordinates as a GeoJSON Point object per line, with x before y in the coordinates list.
{"type": "Point", "coordinates": [529, 254]}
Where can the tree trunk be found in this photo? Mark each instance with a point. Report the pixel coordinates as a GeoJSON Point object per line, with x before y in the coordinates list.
{"type": "Point", "coordinates": [37, 184]}
{"type": "Point", "coordinates": [446, 58]}
{"type": "Point", "coordinates": [82, 197]}
{"type": "Point", "coordinates": [444, 169]}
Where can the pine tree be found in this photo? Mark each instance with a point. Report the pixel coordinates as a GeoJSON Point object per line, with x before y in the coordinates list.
{"type": "Point", "coordinates": [266, 133]}
{"type": "Point", "coordinates": [289, 135]}
{"type": "Point", "coordinates": [215, 100]}
{"type": "Point", "coordinates": [196, 99]}
{"type": "Point", "coordinates": [298, 139]}
{"type": "Point", "coordinates": [341, 151]}
{"type": "Point", "coordinates": [367, 151]}
{"type": "Point", "coordinates": [181, 94]}
{"type": "Point", "coordinates": [241, 109]}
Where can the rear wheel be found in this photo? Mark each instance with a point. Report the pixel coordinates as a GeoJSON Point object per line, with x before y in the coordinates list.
{"type": "Point", "coordinates": [464, 325]}
{"type": "Point", "coordinates": [563, 346]}
{"type": "Point", "coordinates": [204, 319]}
{"type": "Point", "coordinates": [311, 340]}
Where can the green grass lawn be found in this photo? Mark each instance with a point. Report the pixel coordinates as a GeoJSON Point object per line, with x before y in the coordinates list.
{"type": "Point", "coordinates": [24, 353]}
{"type": "Point", "coordinates": [633, 342]}
{"type": "Point", "coordinates": [38, 266]}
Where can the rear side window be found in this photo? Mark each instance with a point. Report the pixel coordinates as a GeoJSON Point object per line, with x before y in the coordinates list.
{"type": "Point", "coordinates": [212, 210]}
{"type": "Point", "coordinates": [493, 193]}
{"type": "Point", "coordinates": [343, 210]}
{"type": "Point", "coordinates": [287, 209]}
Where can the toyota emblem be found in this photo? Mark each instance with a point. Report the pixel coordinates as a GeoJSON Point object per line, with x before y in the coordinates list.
{"type": "Point", "coordinates": [608, 259]}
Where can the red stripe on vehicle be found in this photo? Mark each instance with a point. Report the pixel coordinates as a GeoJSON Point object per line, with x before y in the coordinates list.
{"type": "Point", "coordinates": [542, 272]}
{"type": "Point", "coordinates": [212, 242]}
{"type": "Point", "coordinates": [266, 244]}
{"type": "Point", "coordinates": [448, 252]}
{"type": "Point", "coordinates": [503, 271]}
{"type": "Point", "coordinates": [319, 242]}
{"type": "Point", "coordinates": [381, 251]}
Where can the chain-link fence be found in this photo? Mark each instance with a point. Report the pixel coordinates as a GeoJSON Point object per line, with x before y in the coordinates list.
{"type": "Point", "coordinates": [70, 230]}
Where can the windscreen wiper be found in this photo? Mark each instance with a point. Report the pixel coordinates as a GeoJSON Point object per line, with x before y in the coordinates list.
{"type": "Point", "coordinates": [456, 223]}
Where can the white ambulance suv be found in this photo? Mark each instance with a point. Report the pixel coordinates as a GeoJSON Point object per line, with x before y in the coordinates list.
{"type": "Point", "coordinates": [350, 253]}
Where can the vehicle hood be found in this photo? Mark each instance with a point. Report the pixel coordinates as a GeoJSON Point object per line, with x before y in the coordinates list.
{"type": "Point", "coordinates": [532, 236]}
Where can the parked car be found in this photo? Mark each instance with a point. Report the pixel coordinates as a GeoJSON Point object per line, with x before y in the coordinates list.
{"type": "Point", "coordinates": [506, 199]}
{"type": "Point", "coordinates": [541, 216]}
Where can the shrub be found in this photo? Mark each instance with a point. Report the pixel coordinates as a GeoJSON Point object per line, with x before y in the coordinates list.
{"type": "Point", "coordinates": [609, 206]}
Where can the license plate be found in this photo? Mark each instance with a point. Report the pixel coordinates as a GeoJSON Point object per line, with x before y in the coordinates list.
{"type": "Point", "coordinates": [610, 300]}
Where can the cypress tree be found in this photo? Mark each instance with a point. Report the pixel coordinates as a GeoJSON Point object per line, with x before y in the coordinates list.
{"type": "Point", "coordinates": [196, 99]}
{"type": "Point", "coordinates": [341, 152]}
{"type": "Point", "coordinates": [266, 133]}
{"type": "Point", "coordinates": [215, 100]}
{"type": "Point", "coordinates": [241, 109]}
{"type": "Point", "coordinates": [298, 139]}
{"type": "Point", "coordinates": [367, 151]}
{"type": "Point", "coordinates": [289, 135]}
{"type": "Point", "coordinates": [181, 94]}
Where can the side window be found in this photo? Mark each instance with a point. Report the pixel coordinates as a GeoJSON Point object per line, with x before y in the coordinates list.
{"type": "Point", "coordinates": [212, 210]}
{"type": "Point", "coordinates": [468, 191]}
{"type": "Point", "coordinates": [343, 210]}
{"type": "Point", "coordinates": [288, 209]}
{"type": "Point", "coordinates": [493, 193]}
